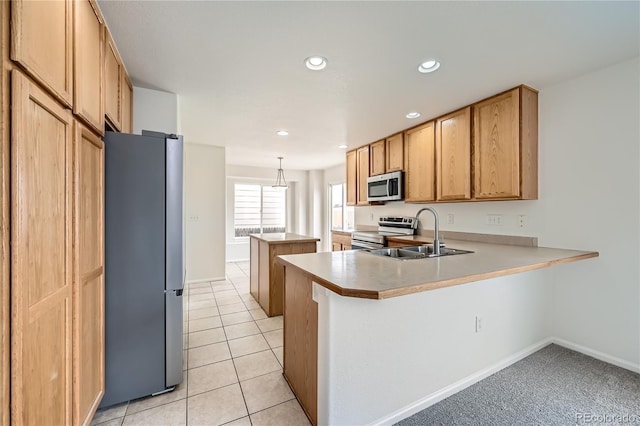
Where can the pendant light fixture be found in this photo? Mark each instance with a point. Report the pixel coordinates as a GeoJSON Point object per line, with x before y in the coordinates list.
{"type": "Point", "coordinates": [281, 182]}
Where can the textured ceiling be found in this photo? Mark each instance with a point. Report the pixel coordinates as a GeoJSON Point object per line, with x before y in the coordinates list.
{"type": "Point", "coordinates": [238, 69]}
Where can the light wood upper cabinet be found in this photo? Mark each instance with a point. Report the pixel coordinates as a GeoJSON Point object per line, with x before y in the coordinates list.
{"type": "Point", "coordinates": [377, 160]}
{"type": "Point", "coordinates": [41, 256]}
{"type": "Point", "coordinates": [41, 41]}
{"type": "Point", "coordinates": [394, 153]}
{"type": "Point", "coordinates": [113, 82]}
{"type": "Point", "coordinates": [351, 178]}
{"type": "Point", "coordinates": [88, 64]}
{"type": "Point", "coordinates": [387, 155]}
{"type": "Point", "coordinates": [127, 103]}
{"type": "Point", "coordinates": [453, 156]}
{"type": "Point", "coordinates": [362, 162]}
{"type": "Point", "coordinates": [505, 148]}
{"type": "Point", "coordinates": [88, 286]}
{"type": "Point", "coordinates": [419, 163]}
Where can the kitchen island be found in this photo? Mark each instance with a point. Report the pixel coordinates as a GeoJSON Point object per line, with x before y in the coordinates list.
{"type": "Point", "coordinates": [354, 360]}
{"type": "Point", "coordinates": [267, 277]}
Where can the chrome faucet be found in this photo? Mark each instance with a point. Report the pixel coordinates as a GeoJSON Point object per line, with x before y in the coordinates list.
{"type": "Point", "coordinates": [436, 231]}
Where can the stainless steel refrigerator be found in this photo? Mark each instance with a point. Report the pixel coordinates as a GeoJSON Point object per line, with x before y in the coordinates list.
{"type": "Point", "coordinates": [144, 260]}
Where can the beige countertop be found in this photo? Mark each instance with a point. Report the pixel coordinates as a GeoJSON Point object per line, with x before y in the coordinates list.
{"type": "Point", "coordinates": [357, 273]}
{"type": "Point", "coordinates": [344, 231]}
{"type": "Point", "coordinates": [284, 237]}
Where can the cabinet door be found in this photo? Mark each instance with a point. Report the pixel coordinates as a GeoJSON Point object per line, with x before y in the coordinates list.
{"type": "Point", "coordinates": [395, 153]}
{"type": "Point", "coordinates": [41, 257]}
{"type": "Point", "coordinates": [113, 82]}
{"type": "Point", "coordinates": [88, 287]}
{"type": "Point", "coordinates": [351, 178]}
{"type": "Point", "coordinates": [377, 158]}
{"type": "Point", "coordinates": [41, 43]}
{"type": "Point", "coordinates": [88, 51]}
{"type": "Point", "coordinates": [419, 163]}
{"type": "Point", "coordinates": [453, 156]}
{"type": "Point", "coordinates": [127, 103]}
{"type": "Point", "coordinates": [363, 174]}
{"type": "Point", "coordinates": [496, 147]}
{"type": "Point", "coordinates": [336, 247]}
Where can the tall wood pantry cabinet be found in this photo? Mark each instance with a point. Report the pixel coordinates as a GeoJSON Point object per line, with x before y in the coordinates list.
{"type": "Point", "coordinates": [52, 168]}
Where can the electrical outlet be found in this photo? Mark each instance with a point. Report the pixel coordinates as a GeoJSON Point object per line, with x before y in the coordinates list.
{"type": "Point", "coordinates": [522, 220]}
{"type": "Point", "coordinates": [450, 218]}
{"type": "Point", "coordinates": [479, 324]}
{"type": "Point", "coordinates": [495, 219]}
{"type": "Point", "coordinates": [194, 218]}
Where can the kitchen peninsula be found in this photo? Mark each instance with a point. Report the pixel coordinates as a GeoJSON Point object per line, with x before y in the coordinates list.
{"type": "Point", "coordinates": [354, 360]}
{"type": "Point", "coordinates": [267, 277]}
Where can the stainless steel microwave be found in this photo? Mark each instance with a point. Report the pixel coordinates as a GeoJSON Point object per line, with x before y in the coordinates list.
{"type": "Point", "coordinates": [387, 187]}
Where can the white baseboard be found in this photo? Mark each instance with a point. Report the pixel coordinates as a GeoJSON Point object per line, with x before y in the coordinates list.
{"type": "Point", "coordinates": [237, 260]}
{"type": "Point", "coordinates": [205, 280]}
{"type": "Point", "coordinates": [447, 391]}
{"type": "Point", "coordinates": [597, 354]}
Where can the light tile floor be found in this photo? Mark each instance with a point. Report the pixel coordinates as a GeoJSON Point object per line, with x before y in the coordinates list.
{"type": "Point", "coordinates": [232, 365]}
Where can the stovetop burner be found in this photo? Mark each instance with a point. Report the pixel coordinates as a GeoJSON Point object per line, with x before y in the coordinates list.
{"type": "Point", "coordinates": [387, 226]}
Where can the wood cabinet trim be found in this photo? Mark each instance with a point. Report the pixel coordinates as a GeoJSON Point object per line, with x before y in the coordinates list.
{"type": "Point", "coordinates": [339, 241]}
{"type": "Point", "coordinates": [23, 313]}
{"type": "Point", "coordinates": [5, 215]}
{"type": "Point", "coordinates": [462, 137]}
{"type": "Point", "coordinates": [83, 414]}
{"type": "Point", "coordinates": [96, 122]}
{"type": "Point", "coordinates": [480, 190]}
{"type": "Point", "coordinates": [416, 190]}
{"type": "Point", "coordinates": [394, 153]}
{"type": "Point", "coordinates": [362, 167]}
{"type": "Point", "coordinates": [31, 66]}
{"type": "Point", "coordinates": [111, 52]}
{"type": "Point", "coordinates": [300, 336]}
{"type": "Point", "coordinates": [528, 143]}
{"type": "Point", "coordinates": [377, 158]}
{"type": "Point", "coordinates": [126, 97]}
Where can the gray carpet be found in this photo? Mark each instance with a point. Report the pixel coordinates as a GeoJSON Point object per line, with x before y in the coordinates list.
{"type": "Point", "coordinates": [554, 386]}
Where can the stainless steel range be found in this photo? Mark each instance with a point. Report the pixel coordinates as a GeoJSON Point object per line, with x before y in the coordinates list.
{"type": "Point", "coordinates": [387, 226]}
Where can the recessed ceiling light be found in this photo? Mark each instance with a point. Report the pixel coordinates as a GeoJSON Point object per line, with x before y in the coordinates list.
{"type": "Point", "coordinates": [282, 133]}
{"type": "Point", "coordinates": [414, 114]}
{"type": "Point", "coordinates": [429, 66]}
{"type": "Point", "coordinates": [316, 63]}
{"type": "Point", "coordinates": [342, 146]}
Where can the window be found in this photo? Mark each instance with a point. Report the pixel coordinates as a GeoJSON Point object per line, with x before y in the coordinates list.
{"type": "Point", "coordinates": [342, 216]}
{"type": "Point", "coordinates": [258, 209]}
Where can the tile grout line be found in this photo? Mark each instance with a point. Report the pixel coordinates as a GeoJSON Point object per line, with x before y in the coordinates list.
{"type": "Point", "coordinates": [238, 377]}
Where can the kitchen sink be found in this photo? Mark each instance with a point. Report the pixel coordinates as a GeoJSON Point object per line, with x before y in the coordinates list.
{"type": "Point", "coordinates": [416, 252]}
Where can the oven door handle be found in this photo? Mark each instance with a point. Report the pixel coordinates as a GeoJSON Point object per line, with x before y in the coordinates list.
{"type": "Point", "coordinates": [365, 245]}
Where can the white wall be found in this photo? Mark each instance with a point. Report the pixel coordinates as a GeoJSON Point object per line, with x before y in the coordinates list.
{"type": "Point", "coordinates": [589, 186]}
{"type": "Point", "coordinates": [154, 110]}
{"type": "Point", "coordinates": [205, 212]}
{"type": "Point", "coordinates": [297, 203]}
{"type": "Point", "coordinates": [402, 354]}
{"type": "Point", "coordinates": [592, 124]}
{"type": "Point", "coordinates": [332, 176]}
{"type": "Point", "coordinates": [317, 202]}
